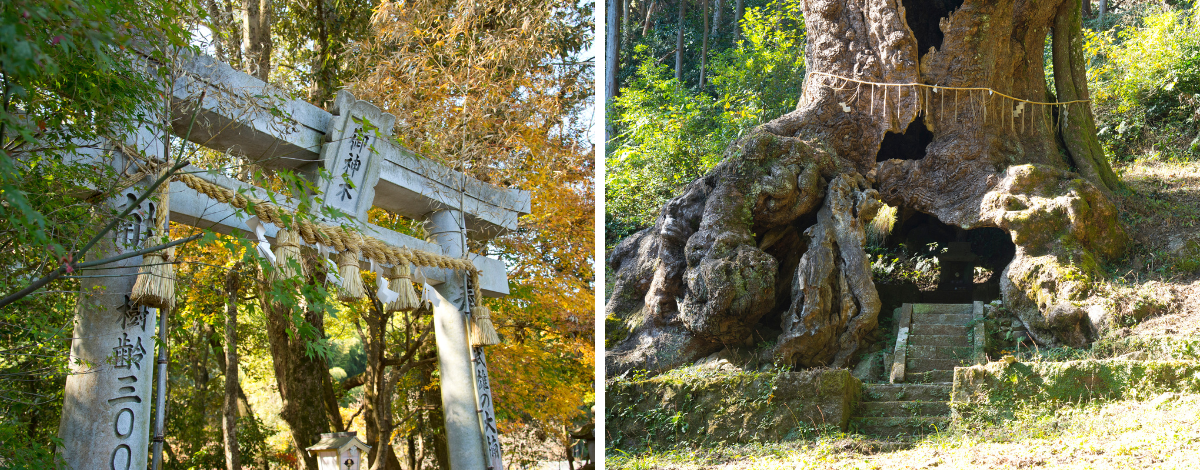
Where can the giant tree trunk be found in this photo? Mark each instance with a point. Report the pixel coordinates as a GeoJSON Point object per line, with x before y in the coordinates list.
{"type": "Point", "coordinates": [773, 233]}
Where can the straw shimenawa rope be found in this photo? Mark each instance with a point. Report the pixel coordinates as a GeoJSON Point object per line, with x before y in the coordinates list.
{"type": "Point", "coordinates": [337, 237]}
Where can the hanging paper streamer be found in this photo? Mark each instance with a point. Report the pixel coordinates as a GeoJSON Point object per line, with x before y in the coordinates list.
{"type": "Point", "coordinates": [427, 296]}
{"type": "Point", "coordinates": [331, 268]}
{"type": "Point", "coordinates": [260, 236]}
{"type": "Point", "coordinates": [386, 296]}
{"type": "Point", "coordinates": [1021, 107]}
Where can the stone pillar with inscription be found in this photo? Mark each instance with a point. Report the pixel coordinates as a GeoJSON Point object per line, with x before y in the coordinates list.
{"type": "Point", "coordinates": [106, 408]}
{"type": "Point", "coordinates": [463, 433]}
{"type": "Point", "coordinates": [483, 392]}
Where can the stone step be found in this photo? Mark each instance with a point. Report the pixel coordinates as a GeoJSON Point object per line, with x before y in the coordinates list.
{"type": "Point", "coordinates": [937, 352]}
{"type": "Point", "coordinates": [896, 427]}
{"type": "Point", "coordinates": [931, 377]}
{"type": "Point", "coordinates": [939, 340]}
{"type": "Point", "coordinates": [919, 329]}
{"type": "Point", "coordinates": [926, 365]}
{"type": "Point", "coordinates": [942, 309]}
{"type": "Point", "coordinates": [940, 319]}
{"type": "Point", "coordinates": [902, 409]}
{"type": "Point", "coordinates": [906, 391]}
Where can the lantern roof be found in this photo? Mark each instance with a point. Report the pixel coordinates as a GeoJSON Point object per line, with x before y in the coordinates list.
{"type": "Point", "coordinates": [338, 441]}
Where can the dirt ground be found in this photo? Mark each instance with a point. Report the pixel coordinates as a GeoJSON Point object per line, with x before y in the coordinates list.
{"type": "Point", "coordinates": [1161, 432]}
{"type": "Point", "coordinates": [1161, 209]}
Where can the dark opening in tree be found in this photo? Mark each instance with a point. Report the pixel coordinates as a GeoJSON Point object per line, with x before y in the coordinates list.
{"type": "Point", "coordinates": [907, 146]}
{"type": "Point", "coordinates": [923, 18]}
{"type": "Point", "coordinates": [988, 248]}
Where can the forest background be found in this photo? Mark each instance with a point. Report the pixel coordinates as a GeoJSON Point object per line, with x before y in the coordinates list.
{"type": "Point", "coordinates": [694, 75]}
{"type": "Point", "coordinates": [499, 90]}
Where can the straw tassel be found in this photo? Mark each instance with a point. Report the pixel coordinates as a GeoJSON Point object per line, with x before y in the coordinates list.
{"type": "Point", "coordinates": [155, 284]}
{"type": "Point", "coordinates": [352, 285]}
{"type": "Point", "coordinates": [481, 331]}
{"type": "Point", "coordinates": [287, 248]}
{"type": "Point", "coordinates": [401, 282]}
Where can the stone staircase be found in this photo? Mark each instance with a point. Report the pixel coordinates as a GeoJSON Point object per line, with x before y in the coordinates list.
{"type": "Point", "coordinates": [932, 340]}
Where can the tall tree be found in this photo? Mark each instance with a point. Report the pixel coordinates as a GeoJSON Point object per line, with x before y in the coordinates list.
{"type": "Point", "coordinates": [679, 43]}
{"type": "Point", "coordinates": [293, 327]}
{"type": "Point", "coordinates": [315, 37]}
{"type": "Point", "coordinates": [704, 40]}
{"type": "Point", "coordinates": [229, 415]}
{"type": "Point", "coordinates": [612, 48]}
{"type": "Point", "coordinates": [256, 37]}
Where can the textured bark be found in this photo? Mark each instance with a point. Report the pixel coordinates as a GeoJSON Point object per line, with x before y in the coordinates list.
{"type": "Point", "coordinates": [298, 375]}
{"type": "Point", "coordinates": [229, 416]}
{"type": "Point", "coordinates": [256, 37]}
{"type": "Point", "coordinates": [746, 242]}
{"type": "Point", "coordinates": [836, 306]}
{"type": "Point", "coordinates": [243, 404]}
{"type": "Point", "coordinates": [1070, 83]}
{"type": "Point", "coordinates": [739, 9]}
{"type": "Point", "coordinates": [717, 18]}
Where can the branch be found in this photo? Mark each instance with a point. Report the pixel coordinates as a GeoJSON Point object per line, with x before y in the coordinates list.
{"type": "Point", "coordinates": [38, 284]}
{"type": "Point", "coordinates": [352, 382]}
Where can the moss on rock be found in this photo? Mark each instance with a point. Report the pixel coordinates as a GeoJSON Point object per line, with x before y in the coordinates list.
{"type": "Point", "coordinates": [693, 406]}
{"type": "Point", "coordinates": [1002, 385]}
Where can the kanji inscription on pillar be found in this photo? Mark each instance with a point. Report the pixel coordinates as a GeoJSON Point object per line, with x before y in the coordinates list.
{"type": "Point", "coordinates": [487, 413]}
{"type": "Point", "coordinates": [351, 157]}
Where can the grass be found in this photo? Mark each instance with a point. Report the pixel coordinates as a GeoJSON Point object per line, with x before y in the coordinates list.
{"type": "Point", "coordinates": [1159, 432]}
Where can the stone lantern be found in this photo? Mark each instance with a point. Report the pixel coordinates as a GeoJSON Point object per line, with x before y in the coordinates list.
{"type": "Point", "coordinates": [339, 451]}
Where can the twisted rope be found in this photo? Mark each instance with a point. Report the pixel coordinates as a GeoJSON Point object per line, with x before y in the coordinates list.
{"type": "Point", "coordinates": [942, 87]}
{"type": "Point", "coordinates": [337, 237]}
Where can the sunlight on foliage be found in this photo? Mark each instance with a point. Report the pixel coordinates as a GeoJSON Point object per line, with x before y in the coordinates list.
{"type": "Point", "coordinates": [668, 135]}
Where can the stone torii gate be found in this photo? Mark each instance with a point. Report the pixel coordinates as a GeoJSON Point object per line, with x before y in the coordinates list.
{"type": "Point", "coordinates": [106, 410]}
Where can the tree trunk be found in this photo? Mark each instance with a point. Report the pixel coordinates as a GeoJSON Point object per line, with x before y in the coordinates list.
{"type": "Point", "coordinates": [324, 64]}
{"type": "Point", "coordinates": [256, 37]}
{"type": "Point", "coordinates": [679, 45]}
{"type": "Point", "coordinates": [612, 48]}
{"type": "Point", "coordinates": [1087, 8]}
{"type": "Point", "coordinates": [739, 9]}
{"type": "Point", "coordinates": [936, 107]}
{"type": "Point", "coordinates": [1103, 9]}
{"type": "Point", "coordinates": [243, 404]}
{"type": "Point", "coordinates": [298, 374]}
{"type": "Point", "coordinates": [654, 7]}
{"type": "Point", "coordinates": [704, 42]}
{"type": "Point", "coordinates": [1070, 84]}
{"type": "Point", "coordinates": [233, 455]}
{"type": "Point", "coordinates": [717, 17]}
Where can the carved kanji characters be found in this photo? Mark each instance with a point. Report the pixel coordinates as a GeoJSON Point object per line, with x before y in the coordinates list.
{"type": "Point", "coordinates": [127, 354]}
